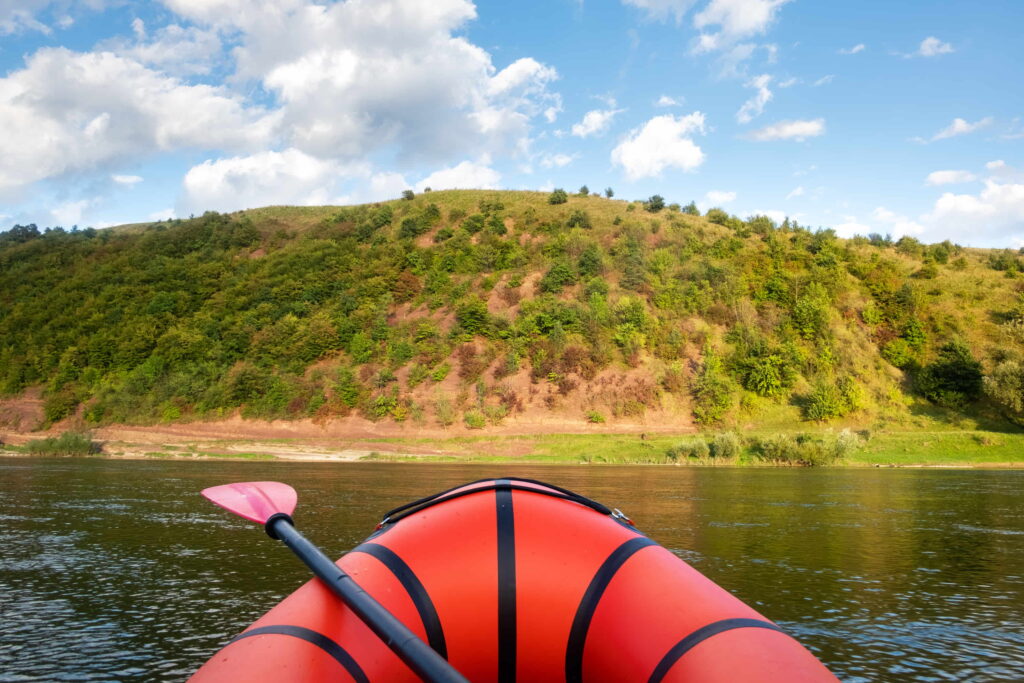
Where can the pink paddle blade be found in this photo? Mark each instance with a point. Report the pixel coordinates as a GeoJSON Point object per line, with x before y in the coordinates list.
{"type": "Point", "coordinates": [255, 501]}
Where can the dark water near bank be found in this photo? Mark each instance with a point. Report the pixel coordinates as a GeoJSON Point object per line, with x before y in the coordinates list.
{"type": "Point", "coordinates": [116, 570]}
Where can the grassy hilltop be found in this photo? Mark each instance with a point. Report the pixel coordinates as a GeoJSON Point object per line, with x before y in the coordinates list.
{"type": "Point", "coordinates": [478, 307]}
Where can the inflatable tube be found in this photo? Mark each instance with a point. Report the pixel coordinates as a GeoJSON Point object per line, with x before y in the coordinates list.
{"type": "Point", "coordinates": [516, 580]}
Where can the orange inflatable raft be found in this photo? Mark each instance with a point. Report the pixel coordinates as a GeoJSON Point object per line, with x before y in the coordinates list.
{"type": "Point", "coordinates": [517, 580]}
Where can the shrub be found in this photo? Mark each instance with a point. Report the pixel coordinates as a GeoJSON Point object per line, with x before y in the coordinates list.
{"type": "Point", "coordinates": [712, 391]}
{"type": "Point", "coordinates": [475, 420]}
{"type": "Point", "coordinates": [609, 192]}
{"type": "Point", "coordinates": [697, 449]}
{"type": "Point", "coordinates": [559, 196]}
{"type": "Point", "coordinates": [68, 443]}
{"type": "Point", "coordinates": [691, 209]}
{"type": "Point", "coordinates": [804, 449]}
{"type": "Point", "coordinates": [594, 417]}
{"type": "Point", "coordinates": [584, 191]}
{"type": "Point", "coordinates": [899, 353]}
{"type": "Point", "coordinates": [440, 372]}
{"type": "Point", "coordinates": [725, 445]}
{"type": "Point", "coordinates": [444, 412]}
{"type": "Point", "coordinates": [579, 219]}
{"type": "Point", "coordinates": [408, 195]}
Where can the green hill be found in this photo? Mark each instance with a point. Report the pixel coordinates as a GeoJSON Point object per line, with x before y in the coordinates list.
{"type": "Point", "coordinates": [478, 306]}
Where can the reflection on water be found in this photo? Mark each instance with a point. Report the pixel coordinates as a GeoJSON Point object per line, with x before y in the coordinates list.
{"type": "Point", "coordinates": [114, 570]}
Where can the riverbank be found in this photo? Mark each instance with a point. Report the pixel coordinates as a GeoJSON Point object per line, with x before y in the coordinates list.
{"type": "Point", "coordinates": [910, 448]}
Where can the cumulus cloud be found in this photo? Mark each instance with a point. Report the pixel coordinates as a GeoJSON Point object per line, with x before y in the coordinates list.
{"type": "Point", "coordinates": [859, 47]}
{"type": "Point", "coordinates": [663, 142]}
{"type": "Point", "coordinates": [666, 101]}
{"type": "Point", "coordinates": [949, 177]}
{"type": "Point", "coordinates": [355, 77]}
{"type": "Point", "coordinates": [719, 197]}
{"type": "Point", "coordinates": [339, 82]}
{"type": "Point", "coordinates": [662, 9]}
{"type": "Point", "coordinates": [753, 107]}
{"type": "Point", "coordinates": [173, 49]}
{"type": "Point", "coordinates": [466, 175]}
{"type": "Point", "coordinates": [67, 112]}
{"type": "Point", "coordinates": [595, 122]}
{"type": "Point", "coordinates": [961, 127]}
{"type": "Point", "coordinates": [993, 217]}
{"type": "Point", "coordinates": [798, 130]}
{"type": "Point", "coordinates": [128, 180]}
{"type": "Point", "coordinates": [932, 47]}
{"type": "Point", "coordinates": [895, 224]}
{"type": "Point", "coordinates": [735, 20]}
{"type": "Point", "coordinates": [261, 179]}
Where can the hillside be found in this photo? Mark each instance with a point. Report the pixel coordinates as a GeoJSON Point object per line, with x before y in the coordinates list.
{"type": "Point", "coordinates": [478, 308]}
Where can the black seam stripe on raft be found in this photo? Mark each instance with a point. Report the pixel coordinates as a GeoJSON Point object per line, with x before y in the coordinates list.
{"type": "Point", "coordinates": [414, 587]}
{"type": "Point", "coordinates": [588, 605]}
{"type": "Point", "coordinates": [699, 636]}
{"type": "Point", "coordinates": [315, 638]}
{"type": "Point", "coordinates": [506, 583]}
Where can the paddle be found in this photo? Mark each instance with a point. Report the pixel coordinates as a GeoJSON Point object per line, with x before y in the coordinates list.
{"type": "Point", "coordinates": [271, 503]}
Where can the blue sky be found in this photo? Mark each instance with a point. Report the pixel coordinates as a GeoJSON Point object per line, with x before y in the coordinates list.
{"type": "Point", "coordinates": [900, 118]}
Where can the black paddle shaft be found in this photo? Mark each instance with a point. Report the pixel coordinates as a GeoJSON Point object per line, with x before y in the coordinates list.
{"type": "Point", "coordinates": [424, 661]}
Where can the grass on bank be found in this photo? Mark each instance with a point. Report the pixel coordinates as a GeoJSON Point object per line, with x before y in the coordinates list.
{"type": "Point", "coordinates": [849, 448]}
{"type": "Point", "coordinates": [68, 443]}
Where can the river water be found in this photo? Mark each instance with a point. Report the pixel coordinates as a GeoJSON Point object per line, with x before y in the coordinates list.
{"type": "Point", "coordinates": [118, 570]}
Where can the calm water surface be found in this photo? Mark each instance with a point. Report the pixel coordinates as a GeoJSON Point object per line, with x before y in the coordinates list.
{"type": "Point", "coordinates": [118, 570]}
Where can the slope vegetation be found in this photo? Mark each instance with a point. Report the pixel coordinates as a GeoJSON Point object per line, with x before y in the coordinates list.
{"type": "Point", "coordinates": [477, 308]}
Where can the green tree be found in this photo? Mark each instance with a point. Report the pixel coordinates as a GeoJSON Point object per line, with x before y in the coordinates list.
{"type": "Point", "coordinates": [408, 195]}
{"type": "Point", "coordinates": [953, 379]}
{"type": "Point", "coordinates": [584, 191]}
{"type": "Point", "coordinates": [655, 204]}
{"type": "Point", "coordinates": [609, 192]}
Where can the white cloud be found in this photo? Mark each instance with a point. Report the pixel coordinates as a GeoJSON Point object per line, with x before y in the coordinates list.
{"type": "Point", "coordinates": [67, 112]}
{"type": "Point", "coordinates": [1000, 170]}
{"type": "Point", "coordinates": [662, 9]}
{"type": "Point", "coordinates": [666, 101]}
{"type": "Point", "coordinates": [719, 197]}
{"type": "Point", "coordinates": [595, 122]}
{"type": "Point", "coordinates": [950, 177]}
{"type": "Point", "coordinates": [384, 186]}
{"type": "Point", "coordinates": [789, 82]}
{"type": "Point", "coordinates": [70, 213]}
{"type": "Point", "coordinates": [522, 73]}
{"type": "Point", "coordinates": [128, 180]}
{"type": "Point", "coordinates": [824, 80]}
{"type": "Point", "coordinates": [774, 214]}
{"type": "Point", "coordinates": [161, 215]}
{"type": "Point", "coordinates": [961, 127]}
{"type": "Point", "coordinates": [859, 47]}
{"type": "Point", "coordinates": [356, 77]}
{"type": "Point", "coordinates": [20, 15]}
{"type": "Point", "coordinates": [262, 179]}
{"type": "Point", "coordinates": [663, 142]}
{"type": "Point", "coordinates": [175, 50]}
{"type": "Point", "coordinates": [851, 226]}
{"type": "Point", "coordinates": [797, 191]}
{"type": "Point", "coordinates": [798, 130]}
{"type": "Point", "coordinates": [895, 224]}
{"type": "Point", "coordinates": [556, 160]}
{"type": "Point", "coordinates": [466, 175]}
{"type": "Point", "coordinates": [735, 19]}
{"type": "Point", "coordinates": [995, 216]}
{"type": "Point", "coordinates": [753, 107]}
{"type": "Point", "coordinates": [932, 47]}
